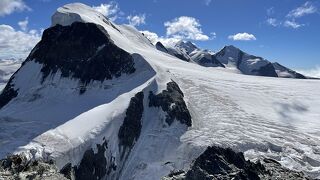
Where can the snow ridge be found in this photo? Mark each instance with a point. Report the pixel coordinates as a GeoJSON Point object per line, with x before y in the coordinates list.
{"type": "Point", "coordinates": [260, 116]}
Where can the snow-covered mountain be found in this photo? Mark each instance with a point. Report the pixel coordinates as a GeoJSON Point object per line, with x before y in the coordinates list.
{"type": "Point", "coordinates": [188, 47]}
{"type": "Point", "coordinates": [233, 57]}
{"type": "Point", "coordinates": [96, 100]}
{"type": "Point", "coordinates": [205, 58]}
{"type": "Point", "coordinates": [229, 57]}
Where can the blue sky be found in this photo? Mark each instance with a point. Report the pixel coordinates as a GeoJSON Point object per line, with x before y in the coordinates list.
{"type": "Point", "coordinates": [286, 31]}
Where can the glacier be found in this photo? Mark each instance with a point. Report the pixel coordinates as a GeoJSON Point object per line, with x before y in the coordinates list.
{"type": "Point", "coordinates": [264, 117]}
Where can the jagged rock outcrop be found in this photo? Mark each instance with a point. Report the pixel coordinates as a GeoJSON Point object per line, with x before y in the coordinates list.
{"type": "Point", "coordinates": [161, 47]}
{"type": "Point", "coordinates": [266, 70]}
{"type": "Point", "coordinates": [94, 165]}
{"type": "Point", "coordinates": [224, 163]}
{"type": "Point", "coordinates": [171, 101]}
{"type": "Point", "coordinates": [83, 51]}
{"type": "Point", "coordinates": [19, 167]}
{"type": "Point", "coordinates": [7, 94]}
{"type": "Point", "coordinates": [130, 130]}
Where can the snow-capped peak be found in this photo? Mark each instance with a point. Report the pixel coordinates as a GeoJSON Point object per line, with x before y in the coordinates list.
{"type": "Point", "coordinates": [77, 12]}
{"type": "Point", "coordinates": [188, 46]}
{"type": "Point", "coordinates": [231, 49]}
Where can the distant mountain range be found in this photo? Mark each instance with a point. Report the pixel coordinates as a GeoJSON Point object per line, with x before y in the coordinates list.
{"type": "Point", "coordinates": [229, 57]}
{"type": "Point", "coordinates": [95, 100]}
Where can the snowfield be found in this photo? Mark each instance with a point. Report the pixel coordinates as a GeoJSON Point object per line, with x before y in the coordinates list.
{"type": "Point", "coordinates": [261, 116]}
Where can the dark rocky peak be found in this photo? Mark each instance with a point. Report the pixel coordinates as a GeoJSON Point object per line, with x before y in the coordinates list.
{"type": "Point", "coordinates": [161, 47]}
{"type": "Point", "coordinates": [230, 49]}
{"type": "Point", "coordinates": [224, 163]}
{"type": "Point", "coordinates": [187, 46]}
{"type": "Point", "coordinates": [171, 101]}
{"type": "Point", "coordinates": [130, 130]}
{"type": "Point", "coordinates": [83, 51]}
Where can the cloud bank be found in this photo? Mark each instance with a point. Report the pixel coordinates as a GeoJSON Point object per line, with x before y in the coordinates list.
{"type": "Point", "coordinates": [15, 43]}
{"type": "Point", "coordinates": [242, 37]}
{"type": "Point", "coordinates": [9, 6]}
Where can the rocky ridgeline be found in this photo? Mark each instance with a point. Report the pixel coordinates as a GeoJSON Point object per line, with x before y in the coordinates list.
{"type": "Point", "coordinates": [224, 163]}
{"type": "Point", "coordinates": [171, 101]}
{"type": "Point", "coordinates": [16, 167]}
{"type": "Point", "coordinates": [214, 163]}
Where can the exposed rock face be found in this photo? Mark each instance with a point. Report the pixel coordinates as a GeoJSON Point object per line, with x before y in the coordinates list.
{"type": "Point", "coordinates": [179, 54]}
{"type": "Point", "coordinates": [130, 130]}
{"type": "Point", "coordinates": [161, 47]}
{"type": "Point", "coordinates": [225, 164]}
{"type": "Point", "coordinates": [211, 62]}
{"type": "Point", "coordinates": [82, 50]}
{"type": "Point", "coordinates": [95, 165]}
{"type": "Point", "coordinates": [221, 163]}
{"type": "Point", "coordinates": [67, 171]}
{"type": "Point", "coordinates": [92, 166]}
{"type": "Point", "coordinates": [205, 58]}
{"type": "Point", "coordinates": [246, 63]}
{"type": "Point", "coordinates": [267, 70]}
{"type": "Point", "coordinates": [171, 101]}
{"type": "Point", "coordinates": [16, 167]}
{"type": "Point", "coordinates": [187, 46]}
{"type": "Point", "coordinates": [7, 94]}
{"type": "Point", "coordinates": [285, 72]}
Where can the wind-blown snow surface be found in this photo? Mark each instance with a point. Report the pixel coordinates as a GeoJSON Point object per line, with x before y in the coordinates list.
{"type": "Point", "coordinates": [264, 117]}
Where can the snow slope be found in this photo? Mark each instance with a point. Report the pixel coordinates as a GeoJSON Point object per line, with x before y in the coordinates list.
{"type": "Point", "coordinates": [262, 116]}
{"type": "Point", "coordinates": [286, 72]}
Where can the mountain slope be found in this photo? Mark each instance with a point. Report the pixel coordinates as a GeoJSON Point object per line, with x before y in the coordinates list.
{"type": "Point", "coordinates": [155, 119]}
{"type": "Point", "coordinates": [229, 57]}
{"type": "Point", "coordinates": [233, 57]}
{"type": "Point", "coordinates": [205, 58]}
{"type": "Point", "coordinates": [285, 72]}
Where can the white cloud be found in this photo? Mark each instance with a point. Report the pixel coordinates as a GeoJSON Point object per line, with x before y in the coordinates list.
{"type": "Point", "coordinates": [110, 10]}
{"type": "Point", "coordinates": [182, 28]}
{"type": "Point", "coordinates": [9, 6]}
{"type": "Point", "coordinates": [24, 24]}
{"type": "Point", "coordinates": [313, 72]}
{"type": "Point", "coordinates": [16, 44]}
{"type": "Point", "coordinates": [273, 22]}
{"type": "Point", "coordinates": [137, 20]}
{"type": "Point", "coordinates": [185, 28]}
{"type": "Point", "coordinates": [242, 37]}
{"type": "Point", "coordinates": [207, 2]}
{"type": "Point", "coordinates": [305, 9]}
{"type": "Point", "coordinates": [292, 24]}
{"type": "Point", "coordinates": [290, 19]}
{"type": "Point", "coordinates": [154, 38]}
